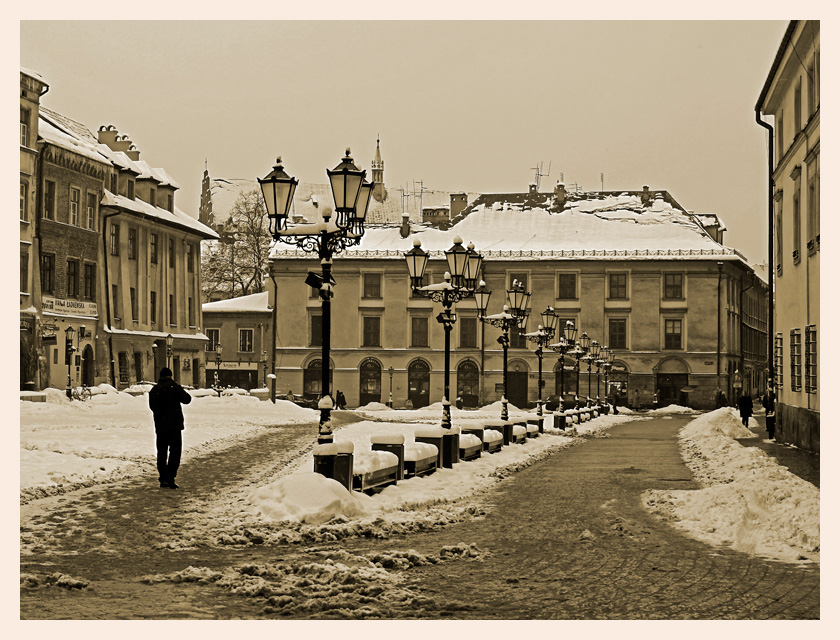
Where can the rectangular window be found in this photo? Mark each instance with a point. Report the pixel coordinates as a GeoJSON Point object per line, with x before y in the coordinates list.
{"type": "Point", "coordinates": [72, 279]}
{"type": "Point", "coordinates": [24, 202]}
{"type": "Point", "coordinates": [370, 331]}
{"type": "Point", "coordinates": [115, 239]}
{"type": "Point", "coordinates": [778, 232]}
{"type": "Point", "coordinates": [24, 270]}
{"type": "Point", "coordinates": [130, 190]}
{"type": "Point", "coordinates": [674, 286]}
{"type": "Point", "coordinates": [811, 358]}
{"type": "Point", "coordinates": [618, 333]}
{"type": "Point", "coordinates": [517, 338]}
{"type": "Point", "coordinates": [419, 331]}
{"type": "Point", "coordinates": [90, 211]}
{"type": "Point", "coordinates": [90, 282]}
{"type": "Point", "coordinates": [153, 307]}
{"type": "Point", "coordinates": [425, 281]}
{"type": "Point", "coordinates": [780, 134]}
{"type": "Point", "coordinates": [172, 317]}
{"type": "Point", "coordinates": [190, 267]}
{"type": "Point", "coordinates": [49, 200]}
{"type": "Point", "coordinates": [170, 202]}
{"type": "Point", "coordinates": [246, 340]}
{"type": "Point", "coordinates": [115, 301]}
{"type": "Point", "coordinates": [812, 88]}
{"type": "Point", "coordinates": [24, 127]}
{"type": "Point", "coordinates": [75, 201]}
{"type": "Point", "coordinates": [48, 273]}
{"type": "Point", "coordinates": [132, 243]}
{"type": "Point", "coordinates": [152, 197]}
{"type": "Point", "coordinates": [673, 334]}
{"type": "Point", "coordinates": [372, 285]}
{"type": "Point", "coordinates": [567, 286]}
{"type": "Point", "coordinates": [191, 312]}
{"type": "Point", "coordinates": [618, 286]}
{"type": "Point", "coordinates": [469, 329]}
{"type": "Point", "coordinates": [153, 248]}
{"type": "Point", "coordinates": [132, 295]}
{"type": "Point", "coordinates": [797, 107]}
{"type": "Point", "coordinates": [778, 359]}
{"type": "Point", "coordinates": [518, 277]}
{"type": "Point", "coordinates": [171, 253]}
{"type": "Point", "coordinates": [212, 339]}
{"type": "Point", "coordinates": [114, 183]}
{"type": "Point", "coordinates": [795, 360]}
{"type": "Point", "coordinates": [797, 221]}
{"type": "Point", "coordinates": [315, 331]}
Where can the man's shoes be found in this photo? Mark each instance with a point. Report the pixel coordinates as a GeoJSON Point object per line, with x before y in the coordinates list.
{"type": "Point", "coordinates": [172, 485]}
{"type": "Point", "coordinates": [164, 485]}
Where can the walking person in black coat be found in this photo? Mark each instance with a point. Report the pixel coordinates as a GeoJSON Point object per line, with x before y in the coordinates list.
{"type": "Point", "coordinates": [745, 406]}
{"type": "Point", "coordinates": [165, 400]}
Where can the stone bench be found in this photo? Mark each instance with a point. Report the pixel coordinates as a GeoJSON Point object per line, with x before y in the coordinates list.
{"type": "Point", "coordinates": [374, 470]}
{"type": "Point", "coordinates": [533, 427]}
{"type": "Point", "coordinates": [505, 427]}
{"type": "Point", "coordinates": [470, 446]}
{"type": "Point", "coordinates": [335, 460]}
{"type": "Point", "coordinates": [493, 440]}
{"type": "Point", "coordinates": [519, 434]}
{"type": "Point", "coordinates": [421, 458]}
{"type": "Point", "coordinates": [394, 443]}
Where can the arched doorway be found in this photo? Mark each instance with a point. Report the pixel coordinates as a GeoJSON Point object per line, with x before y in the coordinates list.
{"type": "Point", "coordinates": [87, 366]}
{"type": "Point", "coordinates": [418, 383]}
{"type": "Point", "coordinates": [517, 384]}
{"type": "Point", "coordinates": [467, 385]}
{"type": "Point", "coordinates": [370, 381]}
{"type": "Point", "coordinates": [672, 382]}
{"type": "Point", "coordinates": [619, 380]}
{"type": "Point", "coordinates": [312, 380]}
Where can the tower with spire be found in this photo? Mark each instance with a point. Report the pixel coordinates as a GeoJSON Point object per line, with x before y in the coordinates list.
{"type": "Point", "coordinates": [378, 175]}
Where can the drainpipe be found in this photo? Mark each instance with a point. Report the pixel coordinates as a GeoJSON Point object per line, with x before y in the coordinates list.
{"type": "Point", "coordinates": [720, 275]}
{"type": "Point", "coordinates": [108, 312]}
{"type": "Point", "coordinates": [273, 389]}
{"type": "Point", "coordinates": [771, 267]}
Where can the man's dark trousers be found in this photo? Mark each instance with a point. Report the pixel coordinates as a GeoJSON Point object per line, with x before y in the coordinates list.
{"type": "Point", "coordinates": [168, 444]}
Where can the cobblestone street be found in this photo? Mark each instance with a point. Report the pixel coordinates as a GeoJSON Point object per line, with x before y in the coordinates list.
{"type": "Point", "coordinates": [566, 538]}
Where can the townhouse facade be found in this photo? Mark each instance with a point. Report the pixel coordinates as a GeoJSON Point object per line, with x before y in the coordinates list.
{"type": "Point", "coordinates": [791, 95]}
{"type": "Point", "coordinates": [117, 263]}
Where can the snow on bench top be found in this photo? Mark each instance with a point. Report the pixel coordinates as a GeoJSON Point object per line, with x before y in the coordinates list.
{"type": "Point", "coordinates": [419, 451]}
{"type": "Point", "coordinates": [387, 438]}
{"type": "Point", "coordinates": [492, 435]}
{"type": "Point", "coordinates": [332, 448]}
{"type": "Point", "coordinates": [518, 430]}
{"type": "Point", "coordinates": [429, 432]}
{"type": "Point", "coordinates": [532, 428]}
{"type": "Point", "coordinates": [469, 440]}
{"type": "Point", "coordinates": [369, 461]}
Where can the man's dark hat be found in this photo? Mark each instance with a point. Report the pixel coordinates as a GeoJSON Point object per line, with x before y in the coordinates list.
{"type": "Point", "coordinates": [166, 372]}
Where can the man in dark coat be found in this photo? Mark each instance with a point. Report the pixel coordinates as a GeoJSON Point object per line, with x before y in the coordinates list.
{"type": "Point", "coordinates": [745, 406]}
{"type": "Point", "coordinates": [165, 400]}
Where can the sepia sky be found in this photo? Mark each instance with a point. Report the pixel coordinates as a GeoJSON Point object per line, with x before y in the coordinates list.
{"type": "Point", "coordinates": [459, 105]}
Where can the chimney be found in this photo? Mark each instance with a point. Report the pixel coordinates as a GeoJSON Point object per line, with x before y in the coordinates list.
{"type": "Point", "coordinates": [107, 135]}
{"type": "Point", "coordinates": [560, 194]}
{"type": "Point", "coordinates": [457, 203]}
{"type": "Point", "coordinates": [646, 196]}
{"type": "Point", "coordinates": [532, 188]}
{"type": "Point", "coordinates": [405, 228]}
{"type": "Point", "coordinates": [133, 153]}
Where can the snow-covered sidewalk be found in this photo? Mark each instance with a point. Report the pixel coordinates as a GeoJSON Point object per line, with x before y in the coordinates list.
{"type": "Point", "coordinates": [748, 501]}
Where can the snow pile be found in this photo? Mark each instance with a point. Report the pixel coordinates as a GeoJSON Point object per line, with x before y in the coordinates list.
{"type": "Point", "coordinates": [373, 406]}
{"type": "Point", "coordinates": [673, 408]}
{"type": "Point", "coordinates": [749, 502]}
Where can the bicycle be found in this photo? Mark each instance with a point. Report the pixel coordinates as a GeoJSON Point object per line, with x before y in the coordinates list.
{"type": "Point", "coordinates": [81, 393]}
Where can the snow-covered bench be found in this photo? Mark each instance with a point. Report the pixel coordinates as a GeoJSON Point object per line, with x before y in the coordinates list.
{"type": "Point", "coordinates": [393, 442]}
{"type": "Point", "coordinates": [420, 458]}
{"type": "Point", "coordinates": [374, 469]}
{"type": "Point", "coordinates": [335, 460]}
{"type": "Point", "coordinates": [446, 440]}
{"type": "Point", "coordinates": [503, 426]}
{"type": "Point", "coordinates": [534, 427]}
{"type": "Point", "coordinates": [519, 434]}
{"type": "Point", "coordinates": [493, 440]}
{"type": "Point", "coordinates": [469, 446]}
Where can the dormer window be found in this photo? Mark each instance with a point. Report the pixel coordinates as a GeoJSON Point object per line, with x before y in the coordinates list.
{"type": "Point", "coordinates": [152, 198]}
{"type": "Point", "coordinates": [130, 190]}
{"type": "Point", "coordinates": [170, 202]}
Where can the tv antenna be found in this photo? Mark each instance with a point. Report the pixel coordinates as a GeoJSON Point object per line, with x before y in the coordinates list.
{"type": "Point", "coordinates": [422, 190]}
{"type": "Point", "coordinates": [539, 174]}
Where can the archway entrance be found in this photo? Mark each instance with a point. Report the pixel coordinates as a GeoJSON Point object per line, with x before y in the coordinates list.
{"type": "Point", "coordinates": [312, 380]}
{"type": "Point", "coordinates": [517, 384]}
{"type": "Point", "coordinates": [467, 386]}
{"type": "Point", "coordinates": [418, 383]}
{"type": "Point", "coordinates": [671, 378]}
{"type": "Point", "coordinates": [370, 381]}
{"type": "Point", "coordinates": [87, 366]}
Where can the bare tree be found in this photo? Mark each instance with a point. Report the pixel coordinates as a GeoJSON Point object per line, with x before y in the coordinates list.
{"type": "Point", "coordinates": [236, 264]}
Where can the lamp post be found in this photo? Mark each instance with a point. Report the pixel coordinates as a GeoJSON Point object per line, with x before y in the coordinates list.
{"type": "Point", "coordinates": [217, 385]}
{"type": "Point", "coordinates": [265, 367]}
{"type": "Point", "coordinates": [459, 284]}
{"type": "Point", "coordinates": [169, 341]}
{"type": "Point", "coordinates": [579, 352]}
{"type": "Point", "coordinates": [391, 387]}
{"type": "Point", "coordinates": [542, 336]}
{"type": "Point", "coordinates": [608, 364]}
{"type": "Point", "coordinates": [590, 357]}
{"type": "Point", "coordinates": [69, 334]}
{"type": "Point", "coordinates": [154, 358]}
{"type": "Point", "coordinates": [514, 314]}
{"type": "Point", "coordinates": [564, 346]}
{"type": "Point", "coordinates": [339, 230]}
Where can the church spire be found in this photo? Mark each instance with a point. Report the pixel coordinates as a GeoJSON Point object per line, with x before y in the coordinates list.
{"type": "Point", "coordinates": [378, 175]}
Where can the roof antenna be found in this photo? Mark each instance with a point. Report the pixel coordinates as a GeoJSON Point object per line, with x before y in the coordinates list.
{"type": "Point", "coordinates": [540, 174]}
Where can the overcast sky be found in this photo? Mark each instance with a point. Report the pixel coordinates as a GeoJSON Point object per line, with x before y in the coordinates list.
{"type": "Point", "coordinates": [462, 106]}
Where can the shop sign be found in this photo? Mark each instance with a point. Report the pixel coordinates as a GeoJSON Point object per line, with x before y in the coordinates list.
{"type": "Point", "coordinates": [69, 307]}
{"type": "Point", "coordinates": [236, 366]}
{"type": "Point", "coordinates": [26, 324]}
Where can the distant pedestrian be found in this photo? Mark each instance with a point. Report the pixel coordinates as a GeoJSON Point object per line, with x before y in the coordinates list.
{"type": "Point", "coordinates": [340, 400]}
{"type": "Point", "coordinates": [459, 402]}
{"type": "Point", "coordinates": [745, 407]}
{"type": "Point", "coordinates": [769, 402]}
{"type": "Point", "coordinates": [290, 396]}
{"type": "Point", "coordinates": [165, 400]}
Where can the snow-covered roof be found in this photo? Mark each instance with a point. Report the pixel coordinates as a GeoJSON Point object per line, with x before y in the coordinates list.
{"type": "Point", "coordinates": [60, 138]}
{"type": "Point", "coordinates": [593, 226]}
{"type": "Point", "coordinates": [255, 302]}
{"type": "Point", "coordinates": [154, 173]}
{"type": "Point", "coordinates": [176, 218]}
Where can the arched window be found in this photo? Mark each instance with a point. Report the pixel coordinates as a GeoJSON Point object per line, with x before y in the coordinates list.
{"type": "Point", "coordinates": [312, 380]}
{"type": "Point", "coordinates": [370, 381]}
{"type": "Point", "coordinates": [418, 383]}
{"type": "Point", "coordinates": [468, 383]}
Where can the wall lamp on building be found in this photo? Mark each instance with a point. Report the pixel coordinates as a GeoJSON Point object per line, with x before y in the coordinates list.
{"type": "Point", "coordinates": [513, 315]}
{"type": "Point", "coordinates": [459, 284]}
{"type": "Point", "coordinates": [69, 335]}
{"type": "Point", "coordinates": [564, 346]}
{"type": "Point", "coordinates": [169, 340]}
{"type": "Point", "coordinates": [339, 230]}
{"type": "Point", "coordinates": [542, 337]}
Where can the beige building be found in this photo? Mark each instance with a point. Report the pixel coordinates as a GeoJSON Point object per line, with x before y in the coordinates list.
{"type": "Point", "coordinates": [633, 269]}
{"type": "Point", "coordinates": [791, 95]}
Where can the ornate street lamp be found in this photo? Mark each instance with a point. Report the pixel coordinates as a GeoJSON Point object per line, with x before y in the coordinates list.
{"type": "Point", "coordinates": [608, 364]}
{"type": "Point", "coordinates": [339, 230]}
{"type": "Point", "coordinates": [514, 314]}
{"type": "Point", "coordinates": [391, 387]}
{"type": "Point", "coordinates": [169, 341]}
{"type": "Point", "coordinates": [69, 334]}
{"type": "Point", "coordinates": [564, 346]}
{"type": "Point", "coordinates": [217, 386]}
{"type": "Point", "coordinates": [459, 284]}
{"type": "Point", "coordinates": [542, 336]}
{"type": "Point", "coordinates": [579, 353]}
